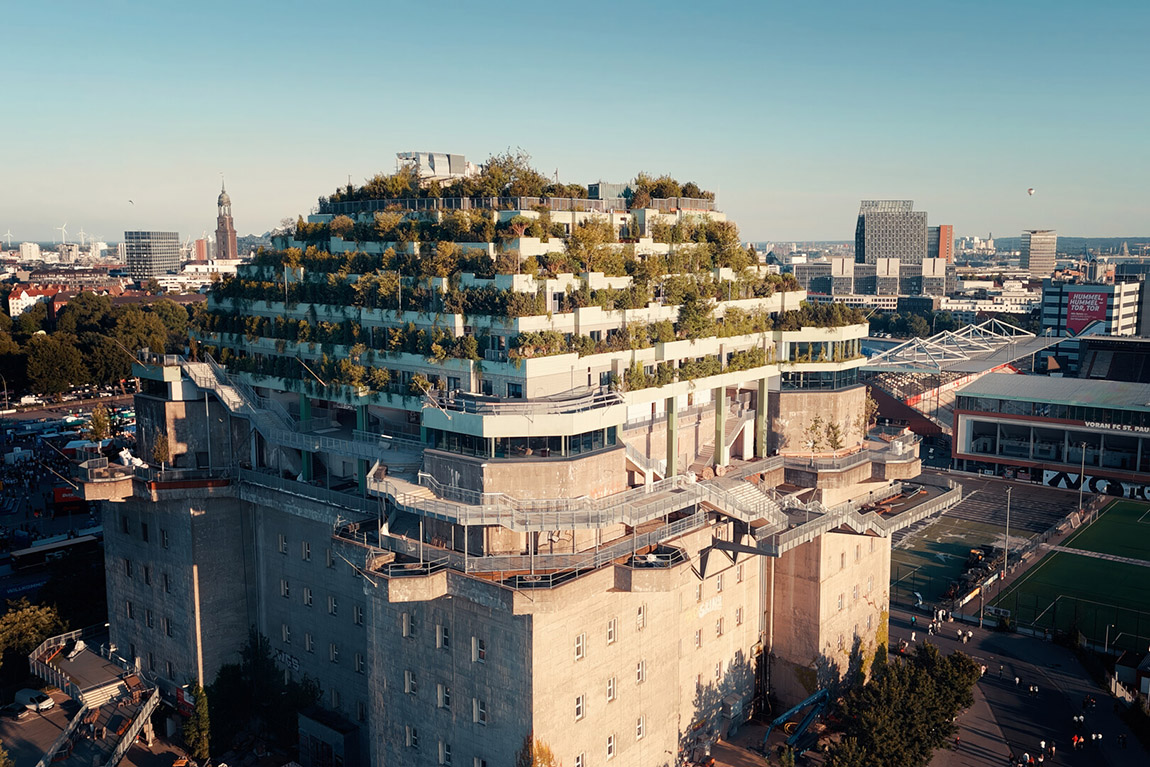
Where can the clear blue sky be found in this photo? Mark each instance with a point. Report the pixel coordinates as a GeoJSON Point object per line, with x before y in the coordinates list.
{"type": "Point", "coordinates": [792, 111]}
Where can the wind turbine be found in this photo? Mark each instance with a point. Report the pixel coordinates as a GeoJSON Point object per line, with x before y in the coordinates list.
{"type": "Point", "coordinates": [63, 233]}
{"type": "Point", "coordinates": [82, 235]}
{"type": "Point", "coordinates": [8, 234]}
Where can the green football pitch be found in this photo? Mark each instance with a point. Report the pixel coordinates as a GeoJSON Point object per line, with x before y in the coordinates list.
{"type": "Point", "coordinates": [1105, 599]}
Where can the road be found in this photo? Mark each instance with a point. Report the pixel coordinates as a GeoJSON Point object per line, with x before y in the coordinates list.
{"type": "Point", "coordinates": [57, 409]}
{"type": "Point", "coordinates": [1007, 719]}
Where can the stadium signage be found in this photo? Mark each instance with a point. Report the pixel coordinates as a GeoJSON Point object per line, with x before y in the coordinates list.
{"type": "Point", "coordinates": [1117, 426]}
{"type": "Point", "coordinates": [1084, 307]}
{"type": "Point", "coordinates": [1101, 485]}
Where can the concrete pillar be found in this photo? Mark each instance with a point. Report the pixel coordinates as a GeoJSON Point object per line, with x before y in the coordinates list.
{"type": "Point", "coordinates": [361, 464]}
{"type": "Point", "coordinates": [722, 453]}
{"type": "Point", "coordinates": [305, 456]}
{"type": "Point", "coordinates": [672, 437]}
{"type": "Point", "coordinates": [761, 420]}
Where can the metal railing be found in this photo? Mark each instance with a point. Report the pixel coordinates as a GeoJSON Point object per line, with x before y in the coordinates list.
{"type": "Point", "coordinates": [640, 459]}
{"type": "Point", "coordinates": [504, 203]}
{"type": "Point", "coordinates": [65, 736]}
{"type": "Point", "coordinates": [154, 474]}
{"type": "Point", "coordinates": [138, 723]}
{"type": "Point", "coordinates": [310, 492]}
{"type": "Point", "coordinates": [463, 403]}
{"type": "Point", "coordinates": [829, 464]}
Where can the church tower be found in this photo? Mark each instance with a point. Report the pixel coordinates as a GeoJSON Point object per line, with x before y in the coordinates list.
{"type": "Point", "coordinates": [225, 230]}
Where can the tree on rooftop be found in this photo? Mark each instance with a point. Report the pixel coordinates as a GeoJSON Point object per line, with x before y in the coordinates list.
{"type": "Point", "coordinates": [342, 226]}
{"type": "Point", "coordinates": [99, 427]}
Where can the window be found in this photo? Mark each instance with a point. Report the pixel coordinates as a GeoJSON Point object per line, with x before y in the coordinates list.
{"type": "Point", "coordinates": [612, 630]}
{"type": "Point", "coordinates": [334, 698]}
{"type": "Point", "coordinates": [855, 594]}
{"type": "Point", "coordinates": [168, 626]}
{"type": "Point", "coordinates": [478, 650]}
{"type": "Point", "coordinates": [167, 584]}
{"type": "Point", "coordinates": [125, 525]}
{"type": "Point", "coordinates": [359, 663]}
{"type": "Point", "coordinates": [639, 728]}
{"type": "Point", "coordinates": [305, 551]}
{"type": "Point", "coordinates": [479, 711]}
{"type": "Point", "coordinates": [869, 583]}
{"type": "Point", "coordinates": [147, 575]}
{"type": "Point", "coordinates": [842, 561]}
{"type": "Point", "coordinates": [332, 605]}
{"type": "Point", "coordinates": [307, 596]}
{"type": "Point", "coordinates": [443, 637]}
{"type": "Point", "coordinates": [719, 627]}
{"type": "Point", "coordinates": [128, 610]}
{"type": "Point", "coordinates": [151, 662]}
{"type": "Point", "coordinates": [443, 696]}
{"type": "Point", "coordinates": [329, 560]}
{"type": "Point", "coordinates": [868, 623]}
{"type": "Point", "coordinates": [842, 599]}
{"type": "Point", "coordinates": [698, 593]}
{"type": "Point", "coordinates": [611, 689]}
{"type": "Point", "coordinates": [841, 642]}
{"type": "Point", "coordinates": [409, 625]}
{"type": "Point", "coordinates": [641, 618]}
{"type": "Point", "coordinates": [333, 652]}
{"type": "Point", "coordinates": [412, 737]}
{"type": "Point", "coordinates": [718, 671]}
{"type": "Point", "coordinates": [361, 711]}
{"type": "Point", "coordinates": [719, 583]}
{"type": "Point", "coordinates": [444, 753]}
{"type": "Point", "coordinates": [611, 746]}
{"type": "Point", "coordinates": [144, 531]}
{"type": "Point", "coordinates": [127, 567]}
{"type": "Point", "coordinates": [698, 638]}
{"type": "Point", "coordinates": [308, 644]}
{"type": "Point", "coordinates": [872, 545]}
{"type": "Point", "coordinates": [580, 708]}
{"type": "Point", "coordinates": [282, 544]}
{"type": "Point", "coordinates": [168, 668]}
{"type": "Point", "coordinates": [163, 537]}
{"type": "Point", "coordinates": [285, 588]}
{"type": "Point", "coordinates": [580, 760]}
{"type": "Point", "coordinates": [858, 552]}
{"type": "Point", "coordinates": [410, 686]}
{"type": "Point", "coordinates": [739, 573]}
{"type": "Point", "coordinates": [285, 633]}
{"type": "Point", "coordinates": [738, 616]}
{"type": "Point", "coordinates": [640, 672]}
{"type": "Point", "coordinates": [357, 615]}
{"type": "Point", "coordinates": [514, 391]}
{"type": "Point", "coordinates": [580, 647]}
{"type": "Point", "coordinates": [148, 618]}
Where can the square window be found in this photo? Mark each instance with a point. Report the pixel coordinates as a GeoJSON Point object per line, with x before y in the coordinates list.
{"type": "Point", "coordinates": [128, 610]}
{"type": "Point", "coordinates": [580, 760]}
{"type": "Point", "coordinates": [640, 672]}
{"type": "Point", "coordinates": [167, 584]}
{"type": "Point", "coordinates": [719, 627]}
{"type": "Point", "coordinates": [308, 644]}
{"type": "Point", "coordinates": [698, 593]}
{"type": "Point", "coordinates": [127, 567]}
{"type": "Point", "coordinates": [698, 638]}
{"type": "Point", "coordinates": [719, 583]}
{"type": "Point", "coordinates": [357, 615]}
{"type": "Point", "coordinates": [738, 616]}
{"type": "Point", "coordinates": [478, 650]}
{"type": "Point", "coordinates": [842, 600]}
{"type": "Point", "coordinates": [412, 737]}
{"type": "Point", "coordinates": [410, 686]}
{"type": "Point", "coordinates": [739, 573]}
{"type": "Point", "coordinates": [580, 708]}
{"type": "Point", "coordinates": [307, 596]}
{"type": "Point", "coordinates": [147, 575]}
{"type": "Point", "coordinates": [479, 711]}
{"type": "Point", "coordinates": [305, 551]}
{"type": "Point", "coordinates": [168, 626]}
{"type": "Point", "coordinates": [332, 605]}
{"type": "Point", "coordinates": [409, 625]}
{"type": "Point", "coordinates": [611, 689]}
{"type": "Point", "coordinates": [639, 728]}
{"type": "Point", "coordinates": [443, 637]}
{"type": "Point", "coordinates": [443, 696]}
{"type": "Point", "coordinates": [580, 647]}
{"type": "Point", "coordinates": [285, 633]}
{"type": "Point", "coordinates": [148, 618]}
{"type": "Point", "coordinates": [611, 746]}
{"type": "Point", "coordinates": [282, 544]}
{"type": "Point", "coordinates": [163, 538]}
{"type": "Point", "coordinates": [444, 753]}
{"type": "Point", "coordinates": [641, 618]}
{"type": "Point", "coordinates": [855, 594]}
{"type": "Point", "coordinates": [359, 663]}
{"type": "Point", "coordinates": [612, 626]}
{"type": "Point", "coordinates": [333, 652]}
{"type": "Point", "coordinates": [285, 588]}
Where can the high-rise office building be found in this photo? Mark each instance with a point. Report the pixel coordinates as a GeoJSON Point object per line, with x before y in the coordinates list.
{"type": "Point", "coordinates": [225, 230]}
{"type": "Point", "coordinates": [890, 229]}
{"type": "Point", "coordinates": [152, 254]}
{"type": "Point", "coordinates": [940, 242]}
{"type": "Point", "coordinates": [1039, 248]}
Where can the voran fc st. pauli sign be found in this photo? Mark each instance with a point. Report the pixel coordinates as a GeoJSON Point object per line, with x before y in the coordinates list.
{"type": "Point", "coordinates": [1100, 485]}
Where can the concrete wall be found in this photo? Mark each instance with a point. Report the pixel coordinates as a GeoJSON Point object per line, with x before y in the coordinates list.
{"type": "Point", "coordinates": [791, 412]}
{"type": "Point", "coordinates": [596, 475]}
{"type": "Point", "coordinates": [192, 439]}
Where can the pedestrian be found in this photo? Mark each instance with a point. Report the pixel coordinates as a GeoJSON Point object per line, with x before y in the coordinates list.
{"type": "Point", "coordinates": [970, 635]}
{"type": "Point", "coordinates": [1026, 758]}
{"type": "Point", "coordinates": [1036, 691]}
{"type": "Point", "coordinates": [960, 634]}
{"type": "Point", "coordinates": [1016, 681]}
{"type": "Point", "coordinates": [914, 620]}
{"type": "Point", "coordinates": [1052, 749]}
{"type": "Point", "coordinates": [1042, 746]}
{"type": "Point", "coordinates": [1100, 740]}
{"type": "Point", "coordinates": [957, 741]}
{"type": "Point", "coordinates": [1001, 668]}
{"type": "Point", "coordinates": [912, 635]}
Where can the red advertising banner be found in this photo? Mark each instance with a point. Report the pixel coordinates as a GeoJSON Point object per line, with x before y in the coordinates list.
{"type": "Point", "coordinates": [1084, 307]}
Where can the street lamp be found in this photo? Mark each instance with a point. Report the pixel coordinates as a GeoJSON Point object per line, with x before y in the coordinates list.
{"type": "Point", "coordinates": [1006, 539]}
{"type": "Point", "coordinates": [1106, 643]}
{"type": "Point", "coordinates": [5, 380]}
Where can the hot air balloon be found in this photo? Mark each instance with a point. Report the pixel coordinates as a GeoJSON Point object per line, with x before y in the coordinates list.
{"type": "Point", "coordinates": [1030, 191]}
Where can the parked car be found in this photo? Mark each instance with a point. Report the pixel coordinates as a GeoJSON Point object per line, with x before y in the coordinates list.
{"type": "Point", "coordinates": [15, 711]}
{"type": "Point", "coordinates": [34, 700]}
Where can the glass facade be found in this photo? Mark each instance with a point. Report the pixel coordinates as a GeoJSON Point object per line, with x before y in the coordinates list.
{"type": "Point", "coordinates": [819, 379]}
{"type": "Point", "coordinates": [1062, 445]}
{"type": "Point", "coordinates": [524, 447]}
{"type": "Point", "coordinates": [1132, 420]}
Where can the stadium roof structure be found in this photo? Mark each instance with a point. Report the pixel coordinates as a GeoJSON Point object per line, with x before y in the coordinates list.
{"type": "Point", "coordinates": [974, 349]}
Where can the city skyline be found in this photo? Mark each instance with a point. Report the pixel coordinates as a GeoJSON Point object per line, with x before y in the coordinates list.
{"type": "Point", "coordinates": [961, 109]}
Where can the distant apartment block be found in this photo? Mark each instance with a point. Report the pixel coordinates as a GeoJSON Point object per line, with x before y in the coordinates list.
{"type": "Point", "coordinates": [152, 254]}
{"type": "Point", "coordinates": [1039, 249]}
{"type": "Point", "coordinates": [890, 229]}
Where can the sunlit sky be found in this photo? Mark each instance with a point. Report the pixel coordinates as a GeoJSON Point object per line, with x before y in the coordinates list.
{"type": "Point", "coordinates": [792, 112]}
